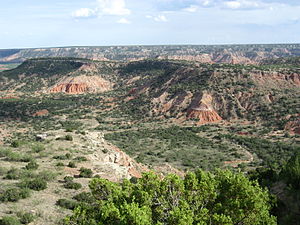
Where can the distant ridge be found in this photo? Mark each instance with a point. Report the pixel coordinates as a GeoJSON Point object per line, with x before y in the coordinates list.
{"type": "Point", "coordinates": [234, 54]}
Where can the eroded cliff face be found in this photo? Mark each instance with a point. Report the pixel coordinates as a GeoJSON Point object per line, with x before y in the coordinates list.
{"type": "Point", "coordinates": [202, 109]}
{"type": "Point", "coordinates": [228, 56]}
{"type": "Point", "coordinates": [81, 84]}
{"type": "Point", "coordinates": [187, 106]}
{"type": "Point", "coordinates": [275, 78]}
{"type": "Point", "coordinates": [293, 126]}
{"type": "Point", "coordinates": [112, 164]}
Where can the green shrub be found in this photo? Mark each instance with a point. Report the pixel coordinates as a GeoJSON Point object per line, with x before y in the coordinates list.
{"type": "Point", "coordinates": [9, 220]}
{"type": "Point", "coordinates": [36, 184]}
{"type": "Point", "coordinates": [67, 204]}
{"type": "Point", "coordinates": [80, 158]}
{"type": "Point", "coordinates": [291, 171]}
{"type": "Point", "coordinates": [38, 148]}
{"type": "Point", "coordinates": [47, 175]}
{"type": "Point", "coordinates": [25, 217]}
{"type": "Point", "coordinates": [86, 197]}
{"type": "Point", "coordinates": [85, 172]}
{"type": "Point", "coordinates": [68, 179]}
{"type": "Point", "coordinates": [68, 137]}
{"type": "Point", "coordinates": [15, 144]}
{"type": "Point", "coordinates": [72, 185]}
{"type": "Point", "coordinates": [60, 164]}
{"type": "Point", "coordinates": [18, 157]}
{"type": "Point", "coordinates": [32, 165]}
{"type": "Point", "coordinates": [63, 157]}
{"type": "Point", "coordinates": [13, 174]}
{"type": "Point", "coordinates": [72, 165]}
{"type": "Point", "coordinates": [14, 194]}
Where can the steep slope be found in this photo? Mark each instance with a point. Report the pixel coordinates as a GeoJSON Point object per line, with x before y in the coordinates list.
{"type": "Point", "coordinates": [201, 109]}
{"type": "Point", "coordinates": [54, 75]}
{"type": "Point", "coordinates": [208, 93]}
{"type": "Point", "coordinates": [203, 93]}
{"type": "Point", "coordinates": [81, 84]}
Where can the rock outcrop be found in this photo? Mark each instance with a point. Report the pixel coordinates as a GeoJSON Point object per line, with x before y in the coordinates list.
{"type": "Point", "coordinates": [293, 126]}
{"type": "Point", "coordinates": [43, 112]}
{"type": "Point", "coordinates": [202, 109]}
{"type": "Point", "coordinates": [272, 78]}
{"type": "Point", "coordinates": [81, 84]}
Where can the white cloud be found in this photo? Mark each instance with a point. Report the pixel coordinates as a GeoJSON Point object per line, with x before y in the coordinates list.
{"type": "Point", "coordinates": [83, 13]}
{"type": "Point", "coordinates": [207, 3]}
{"type": "Point", "coordinates": [113, 7]}
{"type": "Point", "coordinates": [104, 7]}
{"type": "Point", "coordinates": [160, 18]}
{"type": "Point", "coordinates": [244, 4]}
{"type": "Point", "coordinates": [192, 8]}
{"type": "Point", "coordinates": [124, 21]}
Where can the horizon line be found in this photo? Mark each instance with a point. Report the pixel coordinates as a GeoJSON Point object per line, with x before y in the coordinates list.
{"type": "Point", "coordinates": [144, 45]}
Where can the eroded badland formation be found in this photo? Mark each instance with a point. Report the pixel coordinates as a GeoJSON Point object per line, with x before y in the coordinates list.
{"type": "Point", "coordinates": [121, 111]}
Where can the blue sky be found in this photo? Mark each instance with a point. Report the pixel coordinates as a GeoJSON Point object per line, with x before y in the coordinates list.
{"type": "Point", "coordinates": [45, 23]}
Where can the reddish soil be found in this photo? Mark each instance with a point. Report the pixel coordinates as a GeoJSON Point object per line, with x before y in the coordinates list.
{"type": "Point", "coordinates": [43, 112]}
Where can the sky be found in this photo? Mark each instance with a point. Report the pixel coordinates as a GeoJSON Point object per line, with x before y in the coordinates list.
{"type": "Point", "coordinates": [54, 23]}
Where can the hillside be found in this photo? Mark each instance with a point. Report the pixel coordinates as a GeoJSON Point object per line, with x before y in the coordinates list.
{"type": "Point", "coordinates": [236, 54]}
{"type": "Point", "coordinates": [58, 75]}
{"type": "Point", "coordinates": [65, 120]}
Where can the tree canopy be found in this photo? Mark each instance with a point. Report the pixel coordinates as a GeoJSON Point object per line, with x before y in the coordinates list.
{"type": "Point", "coordinates": [199, 198]}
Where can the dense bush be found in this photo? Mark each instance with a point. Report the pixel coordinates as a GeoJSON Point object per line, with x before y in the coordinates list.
{"type": "Point", "coordinates": [14, 194]}
{"type": "Point", "coordinates": [72, 165]}
{"type": "Point", "coordinates": [15, 156]}
{"type": "Point", "coordinates": [38, 148]}
{"type": "Point", "coordinates": [85, 172]}
{"type": "Point", "coordinates": [80, 158]}
{"type": "Point", "coordinates": [9, 220]}
{"type": "Point", "coordinates": [68, 137]}
{"type": "Point", "coordinates": [46, 175]}
{"type": "Point", "coordinates": [59, 164]}
{"type": "Point", "coordinates": [291, 172]}
{"type": "Point", "coordinates": [63, 157]}
{"type": "Point", "coordinates": [32, 165]}
{"type": "Point", "coordinates": [86, 197]}
{"type": "Point", "coordinates": [13, 174]}
{"type": "Point", "coordinates": [67, 204]}
{"type": "Point", "coordinates": [68, 179]}
{"type": "Point", "coordinates": [199, 198]}
{"type": "Point", "coordinates": [15, 144]}
{"type": "Point", "coordinates": [72, 185]}
{"type": "Point", "coordinates": [36, 184]}
{"type": "Point", "coordinates": [25, 217]}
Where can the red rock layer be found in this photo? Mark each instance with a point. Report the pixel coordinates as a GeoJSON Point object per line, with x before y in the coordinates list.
{"type": "Point", "coordinates": [43, 112]}
{"type": "Point", "coordinates": [201, 108]}
{"type": "Point", "coordinates": [71, 88]}
{"type": "Point", "coordinates": [204, 116]}
{"type": "Point", "coordinates": [9, 97]}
